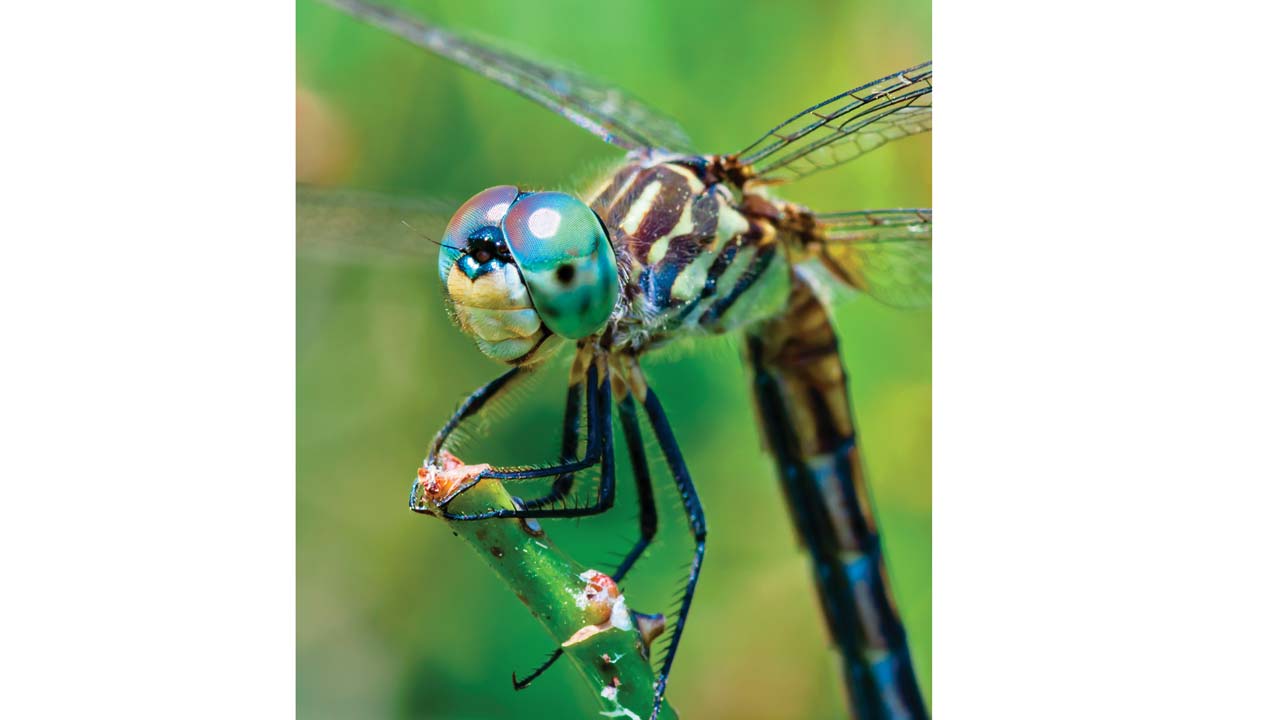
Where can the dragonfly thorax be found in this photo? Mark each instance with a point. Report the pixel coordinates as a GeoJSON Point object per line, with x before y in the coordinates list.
{"type": "Point", "coordinates": [693, 261]}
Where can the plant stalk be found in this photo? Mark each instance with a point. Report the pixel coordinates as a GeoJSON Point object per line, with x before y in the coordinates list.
{"type": "Point", "coordinates": [579, 607]}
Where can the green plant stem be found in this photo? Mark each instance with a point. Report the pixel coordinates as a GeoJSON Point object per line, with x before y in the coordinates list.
{"type": "Point", "coordinates": [613, 661]}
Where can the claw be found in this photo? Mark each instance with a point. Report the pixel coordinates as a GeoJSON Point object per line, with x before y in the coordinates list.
{"type": "Point", "coordinates": [522, 684]}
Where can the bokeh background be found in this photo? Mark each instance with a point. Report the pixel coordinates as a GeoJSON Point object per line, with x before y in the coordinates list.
{"type": "Point", "coordinates": [396, 617]}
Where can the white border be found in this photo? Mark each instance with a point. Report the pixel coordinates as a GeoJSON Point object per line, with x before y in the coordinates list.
{"type": "Point", "coordinates": [147, 287]}
{"type": "Point", "coordinates": [1105, 347]}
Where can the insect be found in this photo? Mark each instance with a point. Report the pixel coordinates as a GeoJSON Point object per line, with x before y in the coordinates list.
{"type": "Point", "coordinates": [675, 244]}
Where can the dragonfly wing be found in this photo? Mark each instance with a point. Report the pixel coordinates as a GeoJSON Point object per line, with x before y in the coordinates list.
{"type": "Point", "coordinates": [884, 253]}
{"type": "Point", "coordinates": [602, 110]}
{"type": "Point", "coordinates": [842, 128]}
{"type": "Point", "coordinates": [354, 224]}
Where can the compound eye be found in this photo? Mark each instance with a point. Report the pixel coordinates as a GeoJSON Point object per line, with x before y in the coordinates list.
{"type": "Point", "coordinates": [486, 209]}
{"type": "Point", "coordinates": [567, 262]}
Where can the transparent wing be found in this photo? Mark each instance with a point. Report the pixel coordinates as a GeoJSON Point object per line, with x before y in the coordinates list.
{"type": "Point", "coordinates": [601, 110]}
{"type": "Point", "coordinates": [842, 128]}
{"type": "Point", "coordinates": [884, 253]}
{"type": "Point", "coordinates": [356, 225]}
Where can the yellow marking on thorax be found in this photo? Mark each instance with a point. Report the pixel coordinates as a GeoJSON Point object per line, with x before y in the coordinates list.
{"type": "Point", "coordinates": [640, 208]}
{"type": "Point", "coordinates": [598, 194]}
{"type": "Point", "coordinates": [597, 190]}
{"type": "Point", "coordinates": [729, 223]}
{"type": "Point", "coordinates": [683, 226]}
{"type": "Point", "coordinates": [689, 283]}
{"type": "Point", "coordinates": [729, 278]}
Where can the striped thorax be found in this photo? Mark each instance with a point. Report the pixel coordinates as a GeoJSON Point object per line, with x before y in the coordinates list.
{"type": "Point", "coordinates": [689, 258]}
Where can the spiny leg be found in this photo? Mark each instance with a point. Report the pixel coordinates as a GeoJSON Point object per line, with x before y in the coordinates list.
{"type": "Point", "coordinates": [697, 525]}
{"type": "Point", "coordinates": [472, 405]}
{"type": "Point", "coordinates": [599, 452]}
{"type": "Point", "coordinates": [607, 483]}
{"type": "Point", "coordinates": [644, 486]}
{"type": "Point", "coordinates": [476, 401]}
{"type": "Point", "coordinates": [568, 447]}
{"type": "Point", "coordinates": [522, 683]}
{"type": "Point", "coordinates": [569, 444]}
{"type": "Point", "coordinates": [648, 515]}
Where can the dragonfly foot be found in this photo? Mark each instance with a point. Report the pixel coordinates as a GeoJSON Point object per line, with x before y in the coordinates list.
{"type": "Point", "coordinates": [520, 684]}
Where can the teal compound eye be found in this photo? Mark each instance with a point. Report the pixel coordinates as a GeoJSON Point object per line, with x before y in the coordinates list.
{"type": "Point", "coordinates": [485, 209]}
{"type": "Point", "coordinates": [567, 262]}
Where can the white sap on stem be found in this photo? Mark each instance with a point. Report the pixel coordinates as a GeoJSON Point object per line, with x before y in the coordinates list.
{"type": "Point", "coordinates": [600, 598]}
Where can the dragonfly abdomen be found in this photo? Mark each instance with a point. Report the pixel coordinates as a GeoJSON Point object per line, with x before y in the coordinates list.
{"type": "Point", "coordinates": [800, 391]}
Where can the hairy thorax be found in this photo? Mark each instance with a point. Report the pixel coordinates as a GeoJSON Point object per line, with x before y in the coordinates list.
{"type": "Point", "coordinates": [690, 259]}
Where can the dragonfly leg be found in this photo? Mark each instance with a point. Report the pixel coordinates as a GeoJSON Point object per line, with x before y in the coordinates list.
{"type": "Point", "coordinates": [472, 405]}
{"type": "Point", "coordinates": [599, 452]}
{"type": "Point", "coordinates": [697, 525]}
{"type": "Point", "coordinates": [644, 485]}
{"type": "Point", "coordinates": [522, 683]}
{"type": "Point", "coordinates": [648, 513]}
{"type": "Point", "coordinates": [568, 446]}
{"type": "Point", "coordinates": [476, 402]}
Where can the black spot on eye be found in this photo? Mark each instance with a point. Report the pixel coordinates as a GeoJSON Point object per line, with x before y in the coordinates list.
{"type": "Point", "coordinates": [564, 274]}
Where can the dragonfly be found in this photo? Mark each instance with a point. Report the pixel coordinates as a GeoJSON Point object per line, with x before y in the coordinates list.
{"type": "Point", "coordinates": [676, 244]}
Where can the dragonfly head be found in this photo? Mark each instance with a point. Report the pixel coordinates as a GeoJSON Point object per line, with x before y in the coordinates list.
{"type": "Point", "coordinates": [520, 266]}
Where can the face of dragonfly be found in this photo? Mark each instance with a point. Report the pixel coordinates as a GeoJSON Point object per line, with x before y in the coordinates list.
{"type": "Point", "coordinates": [521, 269]}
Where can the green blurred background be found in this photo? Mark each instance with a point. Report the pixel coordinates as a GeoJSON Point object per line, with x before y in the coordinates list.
{"type": "Point", "coordinates": [396, 618]}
